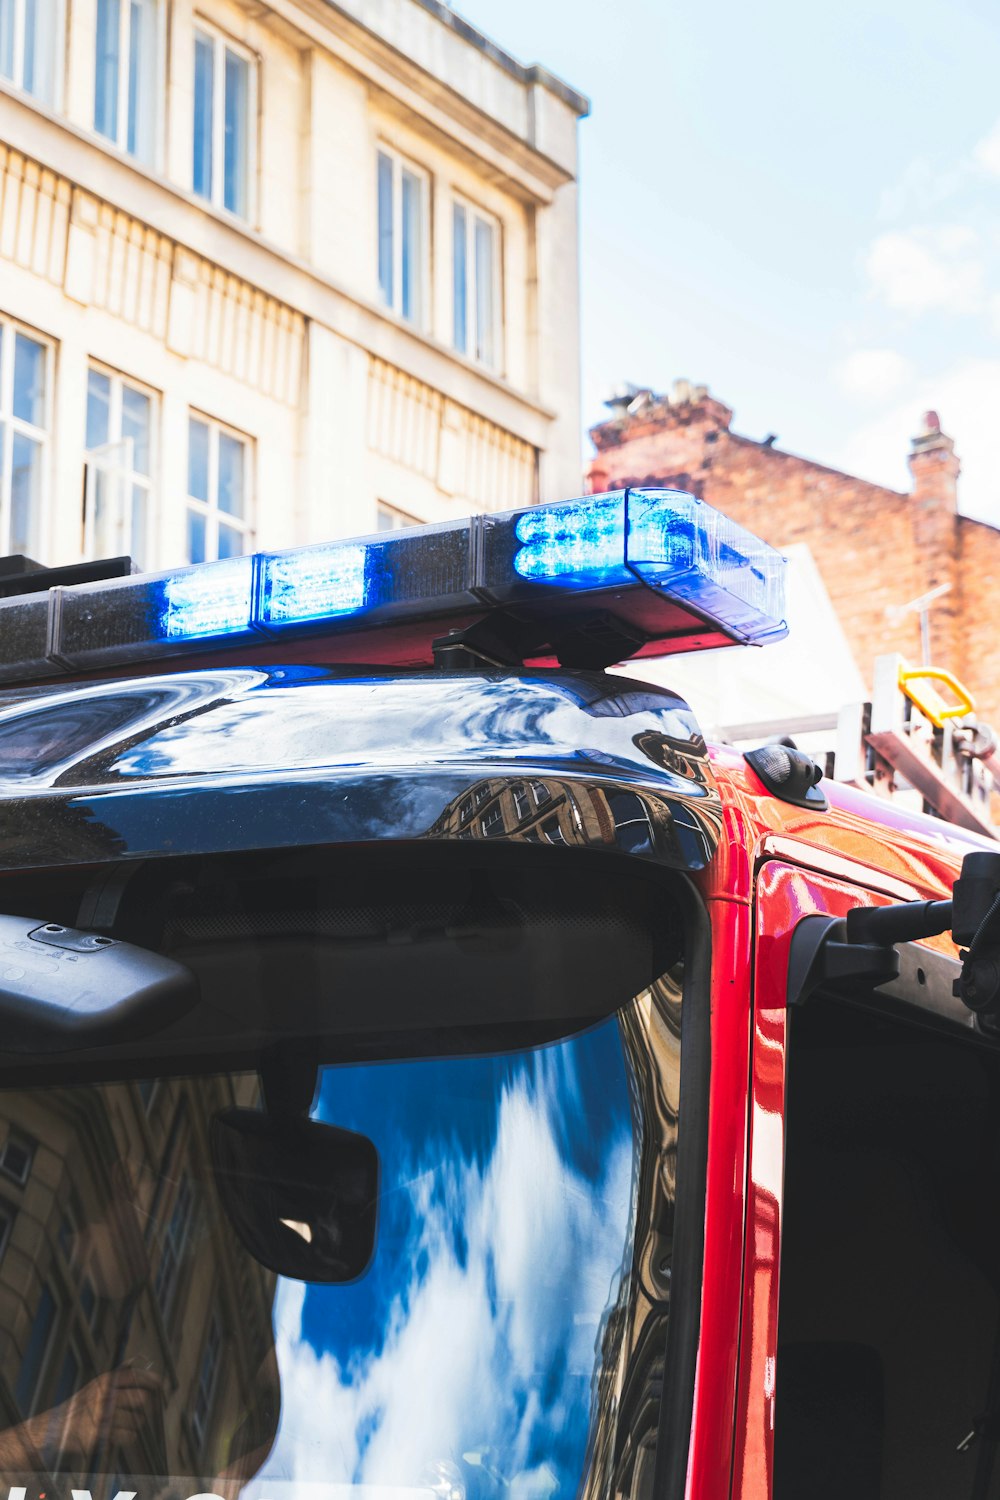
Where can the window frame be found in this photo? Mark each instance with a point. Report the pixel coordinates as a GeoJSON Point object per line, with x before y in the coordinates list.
{"type": "Point", "coordinates": [401, 163]}
{"type": "Point", "coordinates": [221, 42]}
{"type": "Point", "coordinates": [9, 330]}
{"type": "Point", "coordinates": [16, 78]}
{"type": "Point", "coordinates": [130, 476]}
{"type": "Point", "coordinates": [209, 509]}
{"type": "Point", "coordinates": [202, 1393]}
{"type": "Point", "coordinates": [474, 212]}
{"type": "Point", "coordinates": [30, 1147]}
{"type": "Point", "coordinates": [491, 823]}
{"type": "Point", "coordinates": [8, 1218]}
{"type": "Point", "coordinates": [397, 519]}
{"type": "Point", "coordinates": [45, 1359]}
{"type": "Point", "coordinates": [174, 1241]}
{"type": "Point", "coordinates": [119, 141]}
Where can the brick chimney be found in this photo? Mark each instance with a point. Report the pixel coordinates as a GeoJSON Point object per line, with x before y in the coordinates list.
{"type": "Point", "coordinates": [934, 466]}
{"type": "Point", "coordinates": [650, 437]}
{"type": "Point", "coordinates": [934, 500]}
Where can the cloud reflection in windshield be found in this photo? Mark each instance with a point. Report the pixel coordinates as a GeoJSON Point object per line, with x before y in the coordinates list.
{"type": "Point", "coordinates": [464, 1360]}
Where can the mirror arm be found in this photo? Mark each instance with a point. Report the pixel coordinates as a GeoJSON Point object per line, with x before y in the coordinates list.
{"type": "Point", "coordinates": [289, 1075]}
{"type": "Point", "coordinates": [972, 916]}
{"type": "Point", "coordinates": [822, 956]}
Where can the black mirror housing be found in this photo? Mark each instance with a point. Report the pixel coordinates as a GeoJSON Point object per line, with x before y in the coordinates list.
{"type": "Point", "coordinates": [301, 1195]}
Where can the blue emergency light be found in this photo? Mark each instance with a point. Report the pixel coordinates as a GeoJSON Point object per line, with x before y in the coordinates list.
{"type": "Point", "coordinates": [587, 582]}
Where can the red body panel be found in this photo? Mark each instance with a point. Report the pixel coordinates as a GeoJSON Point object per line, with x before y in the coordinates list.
{"type": "Point", "coordinates": [775, 864]}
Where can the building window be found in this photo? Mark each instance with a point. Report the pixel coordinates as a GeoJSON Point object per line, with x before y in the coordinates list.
{"type": "Point", "coordinates": [476, 284]}
{"type": "Point", "coordinates": [553, 832]}
{"type": "Point", "coordinates": [23, 438]}
{"type": "Point", "coordinates": [126, 75]}
{"type": "Point", "coordinates": [466, 809]}
{"type": "Point", "coordinates": [542, 793]}
{"type": "Point", "coordinates": [225, 87]}
{"type": "Point", "coordinates": [633, 831]}
{"type": "Point", "coordinates": [391, 519]}
{"type": "Point", "coordinates": [492, 821]}
{"type": "Point", "coordinates": [67, 1239]}
{"type": "Point", "coordinates": [89, 1302]}
{"type": "Point", "coordinates": [521, 802]}
{"type": "Point", "coordinates": [207, 1377]}
{"type": "Point", "coordinates": [117, 506]}
{"type": "Point", "coordinates": [174, 1245]}
{"type": "Point", "coordinates": [148, 1088]}
{"type": "Point", "coordinates": [8, 1213]}
{"type": "Point", "coordinates": [218, 512]}
{"type": "Point", "coordinates": [16, 1155]}
{"type": "Point", "coordinates": [402, 235]}
{"type": "Point", "coordinates": [36, 1354]}
{"type": "Point", "coordinates": [29, 32]}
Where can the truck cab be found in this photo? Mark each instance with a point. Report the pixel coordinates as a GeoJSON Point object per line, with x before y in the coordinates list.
{"type": "Point", "coordinates": [427, 1068]}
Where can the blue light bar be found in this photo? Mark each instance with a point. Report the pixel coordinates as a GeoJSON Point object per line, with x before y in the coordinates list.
{"type": "Point", "coordinates": [668, 539]}
{"type": "Point", "coordinates": [213, 599]}
{"type": "Point", "coordinates": [694, 552]}
{"type": "Point", "coordinates": [577, 544]}
{"type": "Point", "coordinates": [598, 579]}
{"type": "Point", "coordinates": [314, 583]}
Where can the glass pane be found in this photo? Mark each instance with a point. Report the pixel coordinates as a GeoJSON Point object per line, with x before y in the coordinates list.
{"type": "Point", "coordinates": [136, 419]}
{"type": "Point", "coordinates": [461, 287]}
{"type": "Point", "coordinates": [142, 90]}
{"type": "Point", "coordinates": [137, 541]}
{"type": "Point", "coordinates": [485, 298]}
{"type": "Point", "coordinates": [98, 409]}
{"type": "Point", "coordinates": [230, 541]}
{"type": "Point", "coordinates": [232, 457]}
{"type": "Point", "coordinates": [198, 459]}
{"type": "Point", "coordinates": [69, 1375]}
{"type": "Point", "coordinates": [7, 38]}
{"type": "Point", "coordinates": [235, 196]}
{"type": "Point", "coordinates": [412, 271]}
{"type": "Point", "coordinates": [40, 32]}
{"type": "Point", "coordinates": [196, 537]}
{"type": "Point", "coordinates": [106, 69]}
{"type": "Point", "coordinates": [29, 380]}
{"type": "Point", "coordinates": [101, 498]}
{"type": "Point", "coordinates": [107, 493]}
{"type": "Point", "coordinates": [385, 270]}
{"type": "Point", "coordinates": [25, 494]}
{"type": "Point", "coordinates": [203, 93]}
{"type": "Point", "coordinates": [472, 1342]}
{"type": "Point", "coordinates": [30, 1373]}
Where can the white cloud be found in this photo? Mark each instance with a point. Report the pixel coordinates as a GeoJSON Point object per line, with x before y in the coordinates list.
{"type": "Point", "coordinates": [967, 396]}
{"type": "Point", "coordinates": [986, 153]}
{"type": "Point", "coordinates": [925, 269]}
{"type": "Point", "coordinates": [489, 1348]}
{"type": "Point", "coordinates": [926, 183]}
{"type": "Point", "coordinates": [873, 374]}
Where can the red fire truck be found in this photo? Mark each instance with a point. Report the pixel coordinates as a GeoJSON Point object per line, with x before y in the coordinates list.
{"type": "Point", "coordinates": [428, 1069]}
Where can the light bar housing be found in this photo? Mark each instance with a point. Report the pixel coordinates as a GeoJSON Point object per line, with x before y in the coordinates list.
{"type": "Point", "coordinates": [592, 581]}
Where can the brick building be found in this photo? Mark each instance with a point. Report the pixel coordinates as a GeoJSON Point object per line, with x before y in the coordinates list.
{"type": "Point", "coordinates": [876, 548]}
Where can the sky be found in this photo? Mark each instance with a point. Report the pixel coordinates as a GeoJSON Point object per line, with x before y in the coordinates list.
{"type": "Point", "coordinates": [796, 205]}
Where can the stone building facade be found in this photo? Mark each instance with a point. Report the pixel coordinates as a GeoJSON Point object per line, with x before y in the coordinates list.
{"type": "Point", "coordinates": [112, 1266]}
{"type": "Point", "coordinates": [876, 549]}
{"type": "Point", "coordinates": [271, 276]}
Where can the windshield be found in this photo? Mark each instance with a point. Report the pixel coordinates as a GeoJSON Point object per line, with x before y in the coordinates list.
{"type": "Point", "coordinates": [504, 1332]}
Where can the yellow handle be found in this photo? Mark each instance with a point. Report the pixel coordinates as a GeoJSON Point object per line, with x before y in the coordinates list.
{"type": "Point", "coordinates": [930, 703]}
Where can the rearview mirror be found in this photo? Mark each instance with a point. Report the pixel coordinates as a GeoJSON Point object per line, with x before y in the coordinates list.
{"type": "Point", "coordinates": [62, 989]}
{"type": "Point", "coordinates": [301, 1195]}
